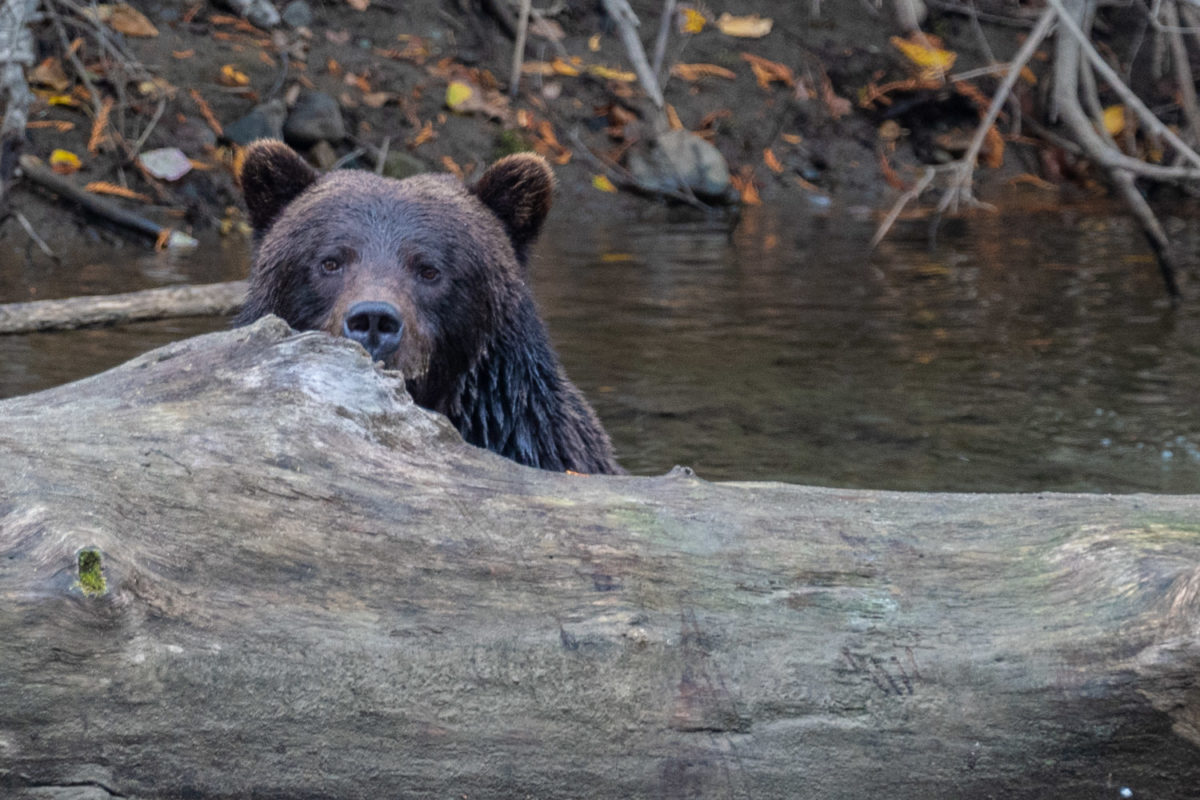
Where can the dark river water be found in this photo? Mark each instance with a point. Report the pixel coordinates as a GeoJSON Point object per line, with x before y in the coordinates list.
{"type": "Point", "coordinates": [1023, 353]}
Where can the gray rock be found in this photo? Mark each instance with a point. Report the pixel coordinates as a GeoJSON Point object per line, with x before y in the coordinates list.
{"type": "Point", "coordinates": [298, 14]}
{"type": "Point", "coordinates": [264, 122]}
{"type": "Point", "coordinates": [679, 161]}
{"type": "Point", "coordinates": [316, 117]}
{"type": "Point", "coordinates": [400, 164]}
{"type": "Point", "coordinates": [257, 12]}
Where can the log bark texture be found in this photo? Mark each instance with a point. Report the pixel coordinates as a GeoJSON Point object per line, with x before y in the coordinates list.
{"type": "Point", "coordinates": [314, 589]}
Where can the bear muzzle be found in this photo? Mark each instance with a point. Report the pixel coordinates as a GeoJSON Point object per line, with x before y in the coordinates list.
{"type": "Point", "coordinates": [377, 326]}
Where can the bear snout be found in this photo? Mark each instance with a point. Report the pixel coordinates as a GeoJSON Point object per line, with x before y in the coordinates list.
{"type": "Point", "coordinates": [376, 326]}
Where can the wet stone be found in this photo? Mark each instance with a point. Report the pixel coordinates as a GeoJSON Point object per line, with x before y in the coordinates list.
{"type": "Point", "coordinates": [679, 161]}
{"type": "Point", "coordinates": [316, 117]}
{"type": "Point", "coordinates": [264, 122]}
{"type": "Point", "coordinates": [298, 14]}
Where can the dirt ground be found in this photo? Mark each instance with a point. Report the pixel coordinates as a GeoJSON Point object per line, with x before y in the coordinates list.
{"type": "Point", "coordinates": [389, 67]}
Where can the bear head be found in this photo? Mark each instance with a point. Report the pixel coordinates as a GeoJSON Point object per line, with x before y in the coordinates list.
{"type": "Point", "coordinates": [422, 272]}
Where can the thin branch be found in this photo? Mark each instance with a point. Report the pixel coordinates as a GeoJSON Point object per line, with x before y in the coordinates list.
{"type": "Point", "coordinates": [627, 22]}
{"type": "Point", "coordinates": [519, 48]}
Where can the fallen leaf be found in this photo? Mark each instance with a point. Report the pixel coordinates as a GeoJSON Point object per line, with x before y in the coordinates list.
{"type": "Point", "coordinates": [792, 138]}
{"type": "Point", "coordinates": [457, 93]}
{"type": "Point", "coordinates": [182, 54]}
{"type": "Point", "coordinates": [931, 61]}
{"type": "Point", "coordinates": [103, 187]}
{"type": "Point", "coordinates": [358, 81]}
{"type": "Point", "coordinates": [748, 27]}
{"type": "Point", "coordinates": [691, 20]}
{"type": "Point", "coordinates": [359, 5]}
{"type": "Point", "coordinates": [547, 29]}
{"type": "Point", "coordinates": [165, 163]}
{"type": "Point", "coordinates": [232, 76]}
{"type": "Point", "coordinates": [99, 125]}
{"type": "Point", "coordinates": [128, 20]}
{"type": "Point", "coordinates": [611, 74]}
{"type": "Point", "coordinates": [993, 151]}
{"type": "Point", "coordinates": [64, 162]}
{"type": "Point", "coordinates": [694, 72]}
{"type": "Point", "coordinates": [207, 112]}
{"type": "Point", "coordinates": [452, 166]}
{"type": "Point", "coordinates": [337, 37]}
{"type": "Point", "coordinates": [602, 183]}
{"type": "Point", "coordinates": [767, 72]}
{"type": "Point", "coordinates": [424, 135]}
{"type": "Point", "coordinates": [1114, 119]}
{"type": "Point", "coordinates": [50, 73]}
{"type": "Point", "coordinates": [772, 161]}
{"type": "Point", "coordinates": [376, 99]}
{"type": "Point", "coordinates": [673, 118]}
{"type": "Point", "coordinates": [63, 100]}
{"type": "Point", "coordinates": [744, 183]}
{"type": "Point", "coordinates": [59, 125]}
{"type": "Point", "coordinates": [594, 43]}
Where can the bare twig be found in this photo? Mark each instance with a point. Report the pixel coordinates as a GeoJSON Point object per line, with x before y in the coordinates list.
{"type": "Point", "coordinates": [906, 198]}
{"type": "Point", "coordinates": [38, 240]}
{"type": "Point", "coordinates": [1183, 74]}
{"type": "Point", "coordinates": [16, 53]}
{"type": "Point", "coordinates": [660, 43]}
{"type": "Point", "coordinates": [627, 22]}
{"type": "Point", "coordinates": [519, 47]}
{"type": "Point", "coordinates": [34, 170]}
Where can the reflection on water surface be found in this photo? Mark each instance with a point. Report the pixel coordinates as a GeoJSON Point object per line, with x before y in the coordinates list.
{"type": "Point", "coordinates": [1025, 353]}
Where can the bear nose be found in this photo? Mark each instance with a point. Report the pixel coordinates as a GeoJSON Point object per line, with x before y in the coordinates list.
{"type": "Point", "coordinates": [376, 326]}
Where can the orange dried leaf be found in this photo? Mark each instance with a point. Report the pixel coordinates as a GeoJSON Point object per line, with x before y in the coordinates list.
{"type": "Point", "coordinates": [99, 124]}
{"type": "Point", "coordinates": [358, 81]}
{"type": "Point", "coordinates": [103, 187]}
{"type": "Point", "coordinates": [50, 73]}
{"type": "Point", "coordinates": [889, 174]}
{"type": "Point", "coordinates": [767, 72]}
{"type": "Point", "coordinates": [333, 68]}
{"type": "Point", "coordinates": [424, 135]}
{"type": "Point", "coordinates": [744, 183]}
{"type": "Point", "coordinates": [182, 54]}
{"type": "Point", "coordinates": [452, 166]}
{"type": "Point", "coordinates": [694, 72]}
{"type": "Point", "coordinates": [128, 20]}
{"type": "Point", "coordinates": [207, 112]}
{"type": "Point", "coordinates": [993, 152]}
{"type": "Point", "coordinates": [772, 161]}
{"type": "Point", "coordinates": [792, 138]}
{"type": "Point", "coordinates": [673, 118]}
{"type": "Point", "coordinates": [57, 125]}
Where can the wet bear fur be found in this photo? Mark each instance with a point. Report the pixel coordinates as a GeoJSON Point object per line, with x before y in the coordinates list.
{"type": "Point", "coordinates": [451, 261]}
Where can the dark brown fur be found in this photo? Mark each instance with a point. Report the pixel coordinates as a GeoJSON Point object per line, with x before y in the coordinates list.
{"type": "Point", "coordinates": [451, 262]}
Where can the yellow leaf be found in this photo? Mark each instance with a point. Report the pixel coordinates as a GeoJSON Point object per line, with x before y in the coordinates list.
{"type": "Point", "coordinates": [612, 74]}
{"type": "Point", "coordinates": [1114, 119]}
{"type": "Point", "coordinates": [63, 100]}
{"type": "Point", "coordinates": [691, 21]}
{"type": "Point", "coordinates": [749, 27]}
{"type": "Point", "coordinates": [563, 68]}
{"type": "Point", "coordinates": [457, 93]}
{"type": "Point", "coordinates": [232, 76]}
{"type": "Point", "coordinates": [603, 183]}
{"type": "Point", "coordinates": [64, 162]}
{"type": "Point", "coordinates": [1028, 76]}
{"type": "Point", "coordinates": [694, 72]}
{"type": "Point", "coordinates": [932, 61]}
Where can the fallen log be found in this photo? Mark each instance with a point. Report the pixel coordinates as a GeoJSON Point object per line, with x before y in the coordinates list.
{"type": "Point", "coordinates": [203, 300]}
{"type": "Point", "coordinates": [246, 565]}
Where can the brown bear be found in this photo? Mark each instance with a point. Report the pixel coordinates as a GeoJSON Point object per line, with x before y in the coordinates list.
{"type": "Point", "coordinates": [429, 277]}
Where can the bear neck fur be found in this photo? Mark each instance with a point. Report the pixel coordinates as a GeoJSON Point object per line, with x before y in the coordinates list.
{"type": "Point", "coordinates": [516, 401]}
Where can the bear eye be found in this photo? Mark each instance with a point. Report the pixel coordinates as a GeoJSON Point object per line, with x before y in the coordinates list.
{"type": "Point", "coordinates": [428, 273]}
{"type": "Point", "coordinates": [331, 265]}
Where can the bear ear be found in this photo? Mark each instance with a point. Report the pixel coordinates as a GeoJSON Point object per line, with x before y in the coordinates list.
{"type": "Point", "coordinates": [518, 190]}
{"type": "Point", "coordinates": [272, 176]}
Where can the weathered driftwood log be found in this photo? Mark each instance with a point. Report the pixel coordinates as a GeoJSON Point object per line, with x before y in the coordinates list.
{"type": "Point", "coordinates": [296, 584]}
{"type": "Point", "coordinates": [203, 300]}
